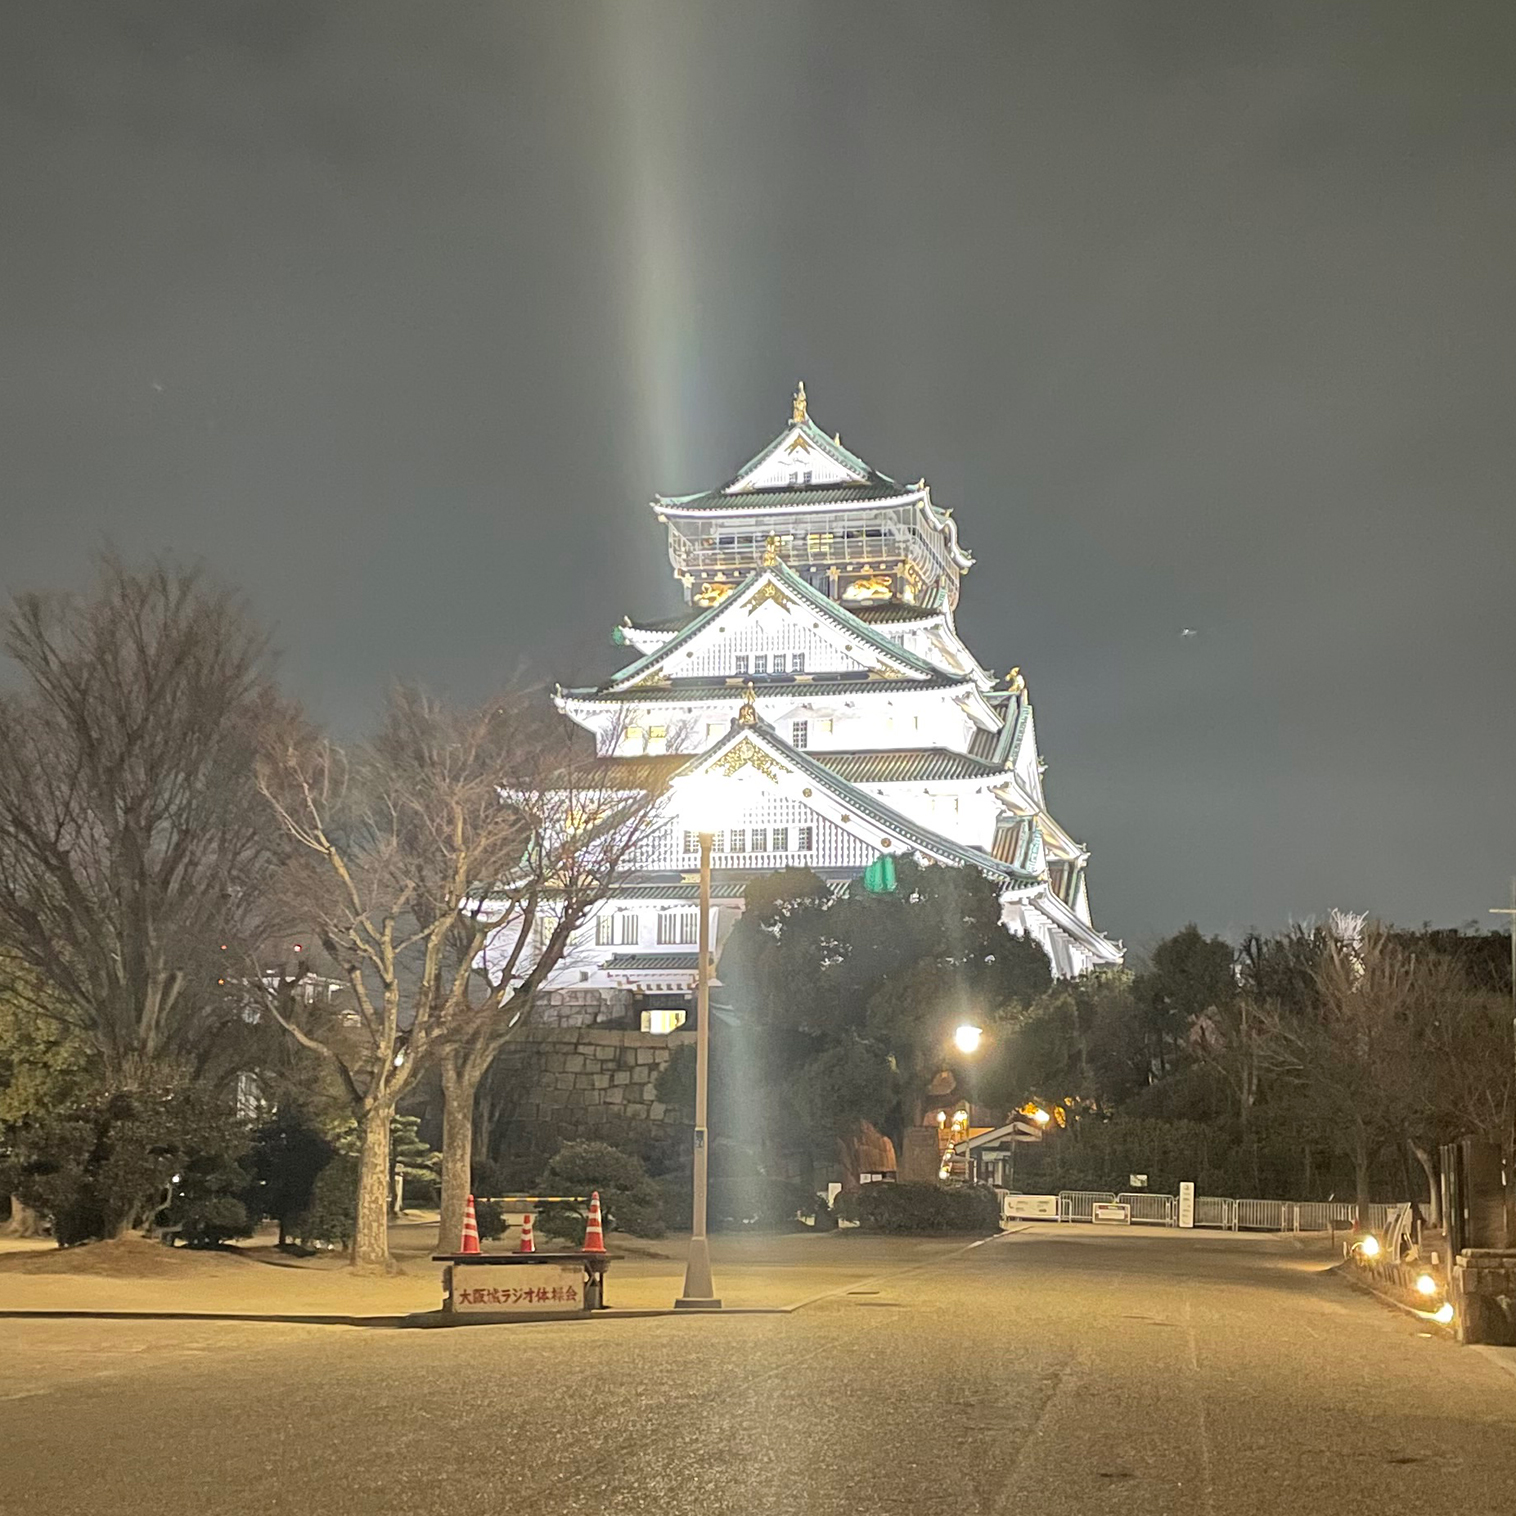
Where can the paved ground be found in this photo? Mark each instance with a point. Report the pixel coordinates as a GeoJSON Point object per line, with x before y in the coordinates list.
{"type": "Point", "coordinates": [1063, 1370]}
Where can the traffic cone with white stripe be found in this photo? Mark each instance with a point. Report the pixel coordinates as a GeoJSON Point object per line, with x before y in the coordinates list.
{"type": "Point", "coordinates": [470, 1243]}
{"type": "Point", "coordinates": [528, 1242]}
{"type": "Point", "coordinates": [594, 1234]}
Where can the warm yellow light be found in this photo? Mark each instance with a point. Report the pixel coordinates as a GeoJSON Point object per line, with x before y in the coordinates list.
{"type": "Point", "coordinates": [1444, 1313]}
{"type": "Point", "coordinates": [1425, 1285]}
{"type": "Point", "coordinates": [1041, 1117]}
{"type": "Point", "coordinates": [941, 1118]}
{"type": "Point", "coordinates": [966, 1039]}
{"type": "Point", "coordinates": [1369, 1246]}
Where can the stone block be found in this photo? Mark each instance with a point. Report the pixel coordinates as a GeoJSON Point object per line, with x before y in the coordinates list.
{"type": "Point", "coordinates": [621, 1077]}
{"type": "Point", "coordinates": [657, 1111]}
{"type": "Point", "coordinates": [647, 1055]}
{"type": "Point", "coordinates": [616, 1096]}
{"type": "Point", "coordinates": [600, 1081]}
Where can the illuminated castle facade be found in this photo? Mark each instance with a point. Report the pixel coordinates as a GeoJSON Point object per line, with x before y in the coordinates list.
{"type": "Point", "coordinates": [818, 673]}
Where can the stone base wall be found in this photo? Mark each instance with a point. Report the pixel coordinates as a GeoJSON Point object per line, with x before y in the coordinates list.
{"type": "Point", "coordinates": [1484, 1296]}
{"type": "Point", "coordinates": [589, 1082]}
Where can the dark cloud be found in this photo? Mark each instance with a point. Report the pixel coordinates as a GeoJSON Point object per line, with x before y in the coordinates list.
{"type": "Point", "coordinates": [1198, 315]}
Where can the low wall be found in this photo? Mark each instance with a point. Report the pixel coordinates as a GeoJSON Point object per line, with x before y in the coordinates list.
{"type": "Point", "coordinates": [587, 1082]}
{"type": "Point", "coordinates": [1484, 1295]}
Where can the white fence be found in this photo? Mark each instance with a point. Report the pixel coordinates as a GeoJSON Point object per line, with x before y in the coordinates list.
{"type": "Point", "coordinates": [1079, 1205]}
{"type": "Point", "coordinates": [1220, 1213]}
{"type": "Point", "coordinates": [1155, 1210]}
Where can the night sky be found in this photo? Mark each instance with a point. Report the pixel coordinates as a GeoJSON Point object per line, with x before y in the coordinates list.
{"type": "Point", "coordinates": [1198, 315]}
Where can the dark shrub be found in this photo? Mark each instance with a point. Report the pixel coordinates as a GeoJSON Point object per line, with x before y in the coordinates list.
{"type": "Point", "coordinates": [629, 1200]}
{"type": "Point", "coordinates": [333, 1212]}
{"type": "Point", "coordinates": [491, 1218]}
{"type": "Point", "coordinates": [922, 1209]}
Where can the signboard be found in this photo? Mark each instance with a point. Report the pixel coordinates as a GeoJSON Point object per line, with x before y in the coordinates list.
{"type": "Point", "coordinates": [1029, 1208]}
{"type": "Point", "coordinates": [539, 1289]}
{"type": "Point", "coordinates": [1137, 1181]}
{"type": "Point", "coordinates": [1119, 1215]}
{"type": "Point", "coordinates": [1186, 1204]}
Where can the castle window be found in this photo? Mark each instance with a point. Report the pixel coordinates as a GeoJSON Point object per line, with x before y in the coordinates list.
{"type": "Point", "coordinates": [626, 929]}
{"type": "Point", "coordinates": [760, 839]}
{"type": "Point", "coordinates": [781, 840]}
{"type": "Point", "coordinates": [799, 734]}
{"type": "Point", "coordinates": [797, 663]}
{"type": "Point", "coordinates": [605, 931]}
{"type": "Point", "coordinates": [806, 839]}
{"type": "Point", "coordinates": [662, 1022]}
{"type": "Point", "coordinates": [778, 663]}
{"type": "Point", "coordinates": [739, 840]}
{"type": "Point", "coordinates": [691, 842]}
{"type": "Point", "coordinates": [760, 663]}
{"type": "Point", "coordinates": [742, 663]}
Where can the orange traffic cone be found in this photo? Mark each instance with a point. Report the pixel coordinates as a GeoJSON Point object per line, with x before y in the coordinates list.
{"type": "Point", "coordinates": [470, 1243]}
{"type": "Point", "coordinates": [528, 1242]}
{"type": "Point", "coordinates": [594, 1236]}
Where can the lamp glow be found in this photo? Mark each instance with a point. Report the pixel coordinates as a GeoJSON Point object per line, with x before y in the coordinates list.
{"type": "Point", "coordinates": [966, 1039]}
{"type": "Point", "coordinates": [1369, 1246]}
{"type": "Point", "coordinates": [1425, 1285]}
{"type": "Point", "coordinates": [1443, 1315]}
{"type": "Point", "coordinates": [702, 802]}
{"type": "Point", "coordinates": [1041, 1117]}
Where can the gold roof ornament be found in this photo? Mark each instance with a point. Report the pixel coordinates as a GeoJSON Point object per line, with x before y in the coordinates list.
{"type": "Point", "coordinates": [797, 412]}
{"type": "Point", "coordinates": [771, 552]}
{"type": "Point", "coordinates": [1015, 681]}
{"type": "Point", "coordinates": [747, 713]}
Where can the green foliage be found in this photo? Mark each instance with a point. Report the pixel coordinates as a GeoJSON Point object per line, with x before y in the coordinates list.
{"type": "Point", "coordinates": [330, 1218]}
{"type": "Point", "coordinates": [922, 1209]}
{"type": "Point", "coordinates": [629, 1201]}
{"type": "Point", "coordinates": [43, 1062]}
{"type": "Point", "coordinates": [741, 1202]}
{"type": "Point", "coordinates": [418, 1163]}
{"type": "Point", "coordinates": [490, 1216]}
{"type": "Point", "coordinates": [849, 1003]}
{"type": "Point", "coordinates": [103, 1162]}
{"type": "Point", "coordinates": [289, 1153]}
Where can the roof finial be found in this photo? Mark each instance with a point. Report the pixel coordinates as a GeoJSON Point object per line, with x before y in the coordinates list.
{"type": "Point", "coordinates": [747, 715]}
{"type": "Point", "coordinates": [797, 414]}
{"type": "Point", "coordinates": [771, 553]}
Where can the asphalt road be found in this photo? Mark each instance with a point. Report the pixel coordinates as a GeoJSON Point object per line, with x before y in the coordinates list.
{"type": "Point", "coordinates": [1072, 1371]}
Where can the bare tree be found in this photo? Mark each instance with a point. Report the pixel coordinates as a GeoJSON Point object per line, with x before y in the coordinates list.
{"type": "Point", "coordinates": [413, 851]}
{"type": "Point", "coordinates": [133, 844]}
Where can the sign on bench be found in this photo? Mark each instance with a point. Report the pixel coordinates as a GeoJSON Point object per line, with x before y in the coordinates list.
{"type": "Point", "coordinates": [1119, 1215]}
{"type": "Point", "coordinates": [546, 1289]}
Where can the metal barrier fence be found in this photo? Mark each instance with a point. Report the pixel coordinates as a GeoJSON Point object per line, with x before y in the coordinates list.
{"type": "Point", "coordinates": [1217, 1212]}
{"type": "Point", "coordinates": [1155, 1210]}
{"type": "Point", "coordinates": [1079, 1205]}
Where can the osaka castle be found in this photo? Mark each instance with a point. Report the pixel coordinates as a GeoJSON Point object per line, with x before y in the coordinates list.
{"type": "Point", "coordinates": [817, 684]}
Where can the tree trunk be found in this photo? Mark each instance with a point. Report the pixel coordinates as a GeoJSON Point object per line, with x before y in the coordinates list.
{"type": "Point", "coordinates": [24, 1222]}
{"type": "Point", "coordinates": [458, 1091]}
{"type": "Point", "coordinates": [1361, 1182]}
{"type": "Point", "coordinates": [371, 1247]}
{"type": "Point", "coordinates": [1434, 1194]}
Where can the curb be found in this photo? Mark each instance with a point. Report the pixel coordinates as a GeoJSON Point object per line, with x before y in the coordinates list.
{"type": "Point", "coordinates": [1350, 1277]}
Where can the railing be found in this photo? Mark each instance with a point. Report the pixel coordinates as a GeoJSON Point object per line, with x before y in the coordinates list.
{"type": "Point", "coordinates": [1155, 1210]}
{"type": "Point", "coordinates": [1221, 1213]}
{"type": "Point", "coordinates": [1079, 1205]}
{"type": "Point", "coordinates": [1215, 1211]}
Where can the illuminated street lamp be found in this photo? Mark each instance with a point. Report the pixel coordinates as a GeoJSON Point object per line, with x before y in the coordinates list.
{"type": "Point", "coordinates": [702, 805]}
{"type": "Point", "coordinates": [966, 1039]}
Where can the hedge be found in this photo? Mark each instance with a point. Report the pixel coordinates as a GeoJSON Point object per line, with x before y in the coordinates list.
{"type": "Point", "coordinates": [922, 1209]}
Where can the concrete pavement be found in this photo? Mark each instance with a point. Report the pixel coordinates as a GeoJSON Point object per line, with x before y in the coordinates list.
{"type": "Point", "coordinates": [1141, 1372]}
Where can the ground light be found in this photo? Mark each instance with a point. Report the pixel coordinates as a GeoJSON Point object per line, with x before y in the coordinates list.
{"type": "Point", "coordinates": [1443, 1315]}
{"type": "Point", "coordinates": [1425, 1285]}
{"type": "Point", "coordinates": [1369, 1246]}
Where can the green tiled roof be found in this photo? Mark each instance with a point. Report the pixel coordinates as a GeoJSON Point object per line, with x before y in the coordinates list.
{"type": "Point", "coordinates": [653, 962]}
{"type": "Point", "coordinates": [705, 689]}
{"type": "Point", "coordinates": [820, 496]}
{"type": "Point", "coordinates": [802, 590]}
{"type": "Point", "coordinates": [885, 766]}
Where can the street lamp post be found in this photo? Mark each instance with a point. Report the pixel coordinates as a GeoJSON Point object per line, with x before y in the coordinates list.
{"type": "Point", "coordinates": [699, 1290]}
